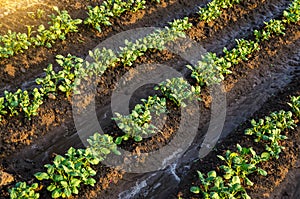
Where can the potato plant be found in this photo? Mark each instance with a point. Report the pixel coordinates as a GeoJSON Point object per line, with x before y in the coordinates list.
{"type": "Point", "coordinates": [292, 15]}
{"type": "Point", "coordinates": [13, 43]}
{"type": "Point", "coordinates": [24, 191]}
{"type": "Point", "coordinates": [213, 10]}
{"type": "Point", "coordinates": [74, 69]}
{"type": "Point", "coordinates": [272, 28]}
{"type": "Point", "coordinates": [102, 145]}
{"type": "Point", "coordinates": [102, 59]}
{"type": "Point", "coordinates": [156, 40]}
{"type": "Point", "coordinates": [242, 163]}
{"type": "Point", "coordinates": [69, 172]}
{"type": "Point", "coordinates": [100, 16]}
{"type": "Point", "coordinates": [30, 106]}
{"type": "Point", "coordinates": [60, 25]}
{"type": "Point", "coordinates": [269, 130]}
{"type": "Point", "coordinates": [66, 174]}
{"type": "Point", "coordinates": [179, 90]}
{"type": "Point", "coordinates": [2, 108]}
{"type": "Point", "coordinates": [138, 123]}
{"type": "Point", "coordinates": [22, 101]}
{"type": "Point", "coordinates": [207, 72]}
{"type": "Point", "coordinates": [216, 187]}
{"type": "Point", "coordinates": [294, 104]}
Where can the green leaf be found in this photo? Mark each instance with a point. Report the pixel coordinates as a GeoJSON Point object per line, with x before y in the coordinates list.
{"type": "Point", "coordinates": [75, 182]}
{"type": "Point", "coordinates": [221, 157]}
{"type": "Point", "coordinates": [262, 172]}
{"type": "Point", "coordinates": [58, 178]}
{"type": "Point", "coordinates": [214, 195]}
{"type": "Point", "coordinates": [227, 176]}
{"type": "Point", "coordinates": [75, 190]}
{"type": "Point", "coordinates": [105, 151]}
{"type": "Point", "coordinates": [119, 140]}
{"type": "Point", "coordinates": [68, 192]}
{"type": "Point", "coordinates": [41, 176]}
{"type": "Point", "coordinates": [195, 190]}
{"type": "Point", "coordinates": [91, 181]}
{"type": "Point", "coordinates": [265, 156]}
{"type": "Point", "coordinates": [51, 187]}
{"type": "Point", "coordinates": [212, 174]}
{"type": "Point", "coordinates": [56, 193]}
{"type": "Point", "coordinates": [62, 88]}
{"type": "Point", "coordinates": [34, 186]}
{"type": "Point", "coordinates": [249, 182]}
{"type": "Point", "coordinates": [236, 180]}
{"type": "Point", "coordinates": [64, 184]}
{"type": "Point", "coordinates": [50, 170]}
{"type": "Point", "coordinates": [138, 138]}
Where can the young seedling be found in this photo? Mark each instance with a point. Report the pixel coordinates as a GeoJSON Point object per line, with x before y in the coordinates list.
{"type": "Point", "coordinates": [269, 130]}
{"type": "Point", "coordinates": [242, 163]}
{"type": "Point", "coordinates": [102, 145]}
{"type": "Point", "coordinates": [207, 71]}
{"type": "Point", "coordinates": [178, 90]}
{"type": "Point", "coordinates": [138, 123]}
{"type": "Point", "coordinates": [295, 105]}
{"type": "Point", "coordinates": [67, 173]}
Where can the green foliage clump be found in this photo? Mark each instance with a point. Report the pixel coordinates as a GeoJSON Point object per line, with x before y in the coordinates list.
{"type": "Point", "coordinates": [178, 90]}
{"type": "Point", "coordinates": [67, 173]}
{"type": "Point", "coordinates": [24, 191]}
{"type": "Point", "coordinates": [138, 123]}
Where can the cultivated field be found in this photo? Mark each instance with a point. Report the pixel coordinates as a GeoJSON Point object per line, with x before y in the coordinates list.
{"type": "Point", "coordinates": [150, 99]}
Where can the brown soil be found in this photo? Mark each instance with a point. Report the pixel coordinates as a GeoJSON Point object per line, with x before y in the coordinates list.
{"type": "Point", "coordinates": [25, 146]}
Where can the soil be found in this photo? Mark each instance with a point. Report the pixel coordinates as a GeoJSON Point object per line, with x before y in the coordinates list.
{"type": "Point", "coordinates": [26, 145]}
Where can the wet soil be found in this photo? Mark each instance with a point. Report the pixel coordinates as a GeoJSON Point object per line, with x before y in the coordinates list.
{"type": "Point", "coordinates": [27, 145]}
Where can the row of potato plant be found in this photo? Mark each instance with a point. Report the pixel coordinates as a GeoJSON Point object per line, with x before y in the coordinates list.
{"type": "Point", "coordinates": [74, 69]}
{"type": "Point", "coordinates": [61, 24]}
{"type": "Point", "coordinates": [67, 173]}
{"type": "Point", "coordinates": [211, 69]}
{"type": "Point", "coordinates": [98, 17]}
{"type": "Point", "coordinates": [231, 180]}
